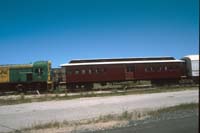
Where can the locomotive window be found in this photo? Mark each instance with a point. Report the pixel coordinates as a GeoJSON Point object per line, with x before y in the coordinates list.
{"type": "Point", "coordinates": [77, 72]}
{"type": "Point", "coordinates": [39, 71]}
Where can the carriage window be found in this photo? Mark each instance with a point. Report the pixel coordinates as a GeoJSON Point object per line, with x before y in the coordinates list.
{"type": "Point", "coordinates": [103, 70]}
{"type": "Point", "coordinates": [90, 71]}
{"type": "Point", "coordinates": [129, 69]}
{"type": "Point", "coordinates": [153, 69]}
{"type": "Point", "coordinates": [165, 68]}
{"type": "Point", "coordinates": [159, 69]}
{"type": "Point", "coordinates": [83, 71]}
{"type": "Point", "coordinates": [148, 69]}
{"type": "Point", "coordinates": [156, 69]}
{"type": "Point", "coordinates": [97, 70]}
{"type": "Point", "coordinates": [77, 72]}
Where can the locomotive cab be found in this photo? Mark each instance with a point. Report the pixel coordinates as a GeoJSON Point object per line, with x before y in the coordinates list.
{"type": "Point", "coordinates": [42, 74]}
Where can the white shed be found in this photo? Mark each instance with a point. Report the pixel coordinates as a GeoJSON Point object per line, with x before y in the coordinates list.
{"type": "Point", "coordinates": [192, 64]}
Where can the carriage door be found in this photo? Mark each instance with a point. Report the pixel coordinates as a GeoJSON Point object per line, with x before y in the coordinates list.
{"type": "Point", "coordinates": [129, 72]}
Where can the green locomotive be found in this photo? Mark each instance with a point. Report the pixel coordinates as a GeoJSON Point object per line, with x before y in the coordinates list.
{"type": "Point", "coordinates": [35, 76]}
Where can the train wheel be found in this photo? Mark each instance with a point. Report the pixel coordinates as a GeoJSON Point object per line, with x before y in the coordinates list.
{"type": "Point", "coordinates": [20, 88]}
{"type": "Point", "coordinates": [88, 87]}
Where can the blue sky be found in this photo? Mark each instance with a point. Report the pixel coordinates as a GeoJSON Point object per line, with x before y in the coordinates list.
{"type": "Point", "coordinates": [61, 30]}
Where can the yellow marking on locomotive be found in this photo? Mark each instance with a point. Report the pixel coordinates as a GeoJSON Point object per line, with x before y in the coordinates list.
{"type": "Point", "coordinates": [4, 74]}
{"type": "Point", "coordinates": [49, 70]}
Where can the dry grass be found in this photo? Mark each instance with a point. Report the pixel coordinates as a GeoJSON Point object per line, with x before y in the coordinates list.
{"type": "Point", "coordinates": [22, 98]}
{"type": "Point", "coordinates": [103, 122]}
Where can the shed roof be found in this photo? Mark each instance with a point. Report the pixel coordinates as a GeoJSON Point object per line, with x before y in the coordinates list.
{"type": "Point", "coordinates": [192, 57]}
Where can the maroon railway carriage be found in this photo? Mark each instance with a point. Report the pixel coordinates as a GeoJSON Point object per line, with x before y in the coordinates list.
{"type": "Point", "coordinates": [83, 73]}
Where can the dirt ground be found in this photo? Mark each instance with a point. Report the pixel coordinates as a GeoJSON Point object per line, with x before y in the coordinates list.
{"type": "Point", "coordinates": [30, 114]}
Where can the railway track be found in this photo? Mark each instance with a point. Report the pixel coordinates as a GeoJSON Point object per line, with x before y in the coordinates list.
{"type": "Point", "coordinates": [107, 90]}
